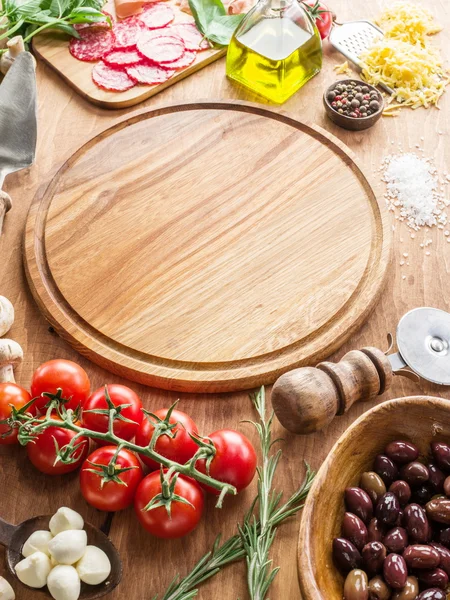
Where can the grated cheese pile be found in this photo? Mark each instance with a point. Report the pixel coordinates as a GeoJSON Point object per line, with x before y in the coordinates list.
{"type": "Point", "coordinates": [343, 69]}
{"type": "Point", "coordinates": [404, 59]}
{"type": "Point", "coordinates": [413, 189]}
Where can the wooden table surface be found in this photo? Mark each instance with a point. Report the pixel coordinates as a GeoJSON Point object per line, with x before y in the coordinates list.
{"type": "Point", "coordinates": [65, 122]}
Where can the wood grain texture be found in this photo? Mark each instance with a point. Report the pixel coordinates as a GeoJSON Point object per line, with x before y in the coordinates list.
{"type": "Point", "coordinates": [53, 49]}
{"type": "Point", "coordinates": [207, 280]}
{"type": "Point", "coordinates": [418, 419]}
{"type": "Point", "coordinates": [66, 121]}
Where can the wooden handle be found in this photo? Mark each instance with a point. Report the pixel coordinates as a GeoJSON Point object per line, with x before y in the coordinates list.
{"type": "Point", "coordinates": [6, 533]}
{"type": "Point", "coordinates": [307, 399]}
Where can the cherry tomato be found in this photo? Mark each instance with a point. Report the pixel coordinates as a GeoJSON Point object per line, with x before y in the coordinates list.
{"type": "Point", "coordinates": [64, 374]}
{"type": "Point", "coordinates": [322, 15]}
{"type": "Point", "coordinates": [42, 451]}
{"type": "Point", "coordinates": [183, 517]}
{"type": "Point", "coordinates": [10, 393]}
{"type": "Point", "coordinates": [179, 448]}
{"type": "Point", "coordinates": [234, 462]}
{"type": "Point", "coordinates": [110, 496]}
{"type": "Point", "coordinates": [119, 394]}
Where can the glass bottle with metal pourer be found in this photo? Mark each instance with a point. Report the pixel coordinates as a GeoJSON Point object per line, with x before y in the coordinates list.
{"type": "Point", "coordinates": [275, 50]}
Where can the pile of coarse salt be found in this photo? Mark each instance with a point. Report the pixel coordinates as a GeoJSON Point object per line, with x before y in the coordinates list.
{"type": "Point", "coordinates": [413, 191]}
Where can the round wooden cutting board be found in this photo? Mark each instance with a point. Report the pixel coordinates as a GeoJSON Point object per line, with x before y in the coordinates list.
{"type": "Point", "coordinates": [207, 247]}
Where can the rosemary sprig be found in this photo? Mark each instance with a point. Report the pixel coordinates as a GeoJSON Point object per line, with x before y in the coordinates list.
{"type": "Point", "coordinates": [257, 531]}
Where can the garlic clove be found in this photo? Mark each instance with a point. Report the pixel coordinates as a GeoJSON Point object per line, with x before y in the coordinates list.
{"type": "Point", "coordinates": [94, 567]}
{"type": "Point", "coordinates": [68, 547]}
{"type": "Point", "coordinates": [37, 542]}
{"type": "Point", "coordinates": [34, 570]}
{"type": "Point", "coordinates": [65, 519]}
{"type": "Point", "coordinates": [63, 583]}
{"type": "Point", "coordinates": [6, 591]}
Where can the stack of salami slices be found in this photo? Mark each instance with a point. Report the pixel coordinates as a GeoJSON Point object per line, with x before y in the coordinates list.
{"type": "Point", "coordinates": [144, 49]}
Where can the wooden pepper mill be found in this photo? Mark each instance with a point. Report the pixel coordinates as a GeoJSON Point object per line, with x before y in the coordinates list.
{"type": "Point", "coordinates": [307, 399]}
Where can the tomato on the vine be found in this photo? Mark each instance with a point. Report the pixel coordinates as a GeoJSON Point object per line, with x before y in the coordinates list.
{"type": "Point", "coordinates": [184, 516]}
{"type": "Point", "coordinates": [60, 373]}
{"type": "Point", "coordinates": [118, 394]}
{"type": "Point", "coordinates": [179, 448]}
{"type": "Point", "coordinates": [234, 462]}
{"type": "Point", "coordinates": [322, 15]}
{"type": "Point", "coordinates": [42, 450]}
{"type": "Point", "coordinates": [102, 488]}
{"type": "Point", "coordinates": [10, 394]}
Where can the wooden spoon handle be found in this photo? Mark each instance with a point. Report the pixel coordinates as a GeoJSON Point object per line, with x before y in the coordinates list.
{"type": "Point", "coordinates": [6, 533]}
{"type": "Point", "coordinates": [307, 399]}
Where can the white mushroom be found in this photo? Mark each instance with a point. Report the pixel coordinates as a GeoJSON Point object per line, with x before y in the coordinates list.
{"type": "Point", "coordinates": [37, 542]}
{"type": "Point", "coordinates": [68, 546]}
{"type": "Point", "coordinates": [11, 355]}
{"type": "Point", "coordinates": [15, 46]}
{"type": "Point", "coordinates": [65, 519]}
{"type": "Point", "coordinates": [94, 567]}
{"type": "Point", "coordinates": [6, 315]}
{"type": "Point", "coordinates": [34, 570]}
{"type": "Point", "coordinates": [63, 583]}
{"type": "Point", "coordinates": [5, 206]}
{"type": "Point", "coordinates": [6, 591]}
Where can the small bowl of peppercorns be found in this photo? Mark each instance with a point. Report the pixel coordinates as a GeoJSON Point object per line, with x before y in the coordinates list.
{"type": "Point", "coordinates": [353, 104]}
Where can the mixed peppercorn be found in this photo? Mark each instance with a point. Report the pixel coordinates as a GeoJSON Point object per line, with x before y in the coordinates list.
{"type": "Point", "coordinates": [354, 99]}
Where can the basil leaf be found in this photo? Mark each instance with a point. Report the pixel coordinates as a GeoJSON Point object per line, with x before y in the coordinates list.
{"type": "Point", "coordinates": [213, 22]}
{"type": "Point", "coordinates": [220, 31]}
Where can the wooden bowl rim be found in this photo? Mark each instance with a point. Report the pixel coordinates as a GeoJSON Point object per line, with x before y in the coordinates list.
{"type": "Point", "coordinates": [308, 585]}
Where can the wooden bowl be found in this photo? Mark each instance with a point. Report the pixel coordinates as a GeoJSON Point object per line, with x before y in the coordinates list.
{"type": "Point", "coordinates": [420, 419]}
{"type": "Point", "coordinates": [350, 122]}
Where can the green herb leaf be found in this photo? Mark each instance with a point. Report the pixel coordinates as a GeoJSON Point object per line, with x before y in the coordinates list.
{"type": "Point", "coordinates": [222, 28]}
{"type": "Point", "coordinates": [213, 22]}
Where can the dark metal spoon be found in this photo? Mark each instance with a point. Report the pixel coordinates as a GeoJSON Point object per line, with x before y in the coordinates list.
{"type": "Point", "coordinates": [13, 538]}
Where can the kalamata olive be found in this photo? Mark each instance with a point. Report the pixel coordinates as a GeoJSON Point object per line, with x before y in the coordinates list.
{"type": "Point", "coordinates": [433, 578]}
{"type": "Point", "coordinates": [409, 592]}
{"type": "Point", "coordinates": [372, 483]}
{"type": "Point", "coordinates": [375, 531]}
{"type": "Point", "coordinates": [387, 509]}
{"type": "Point", "coordinates": [356, 586]}
{"type": "Point", "coordinates": [402, 490]}
{"type": "Point", "coordinates": [373, 555]}
{"type": "Point", "coordinates": [444, 554]}
{"type": "Point", "coordinates": [421, 556]}
{"type": "Point", "coordinates": [414, 473]}
{"type": "Point", "coordinates": [378, 589]}
{"type": "Point", "coordinates": [416, 523]}
{"type": "Point", "coordinates": [441, 455]}
{"type": "Point", "coordinates": [444, 537]}
{"type": "Point", "coordinates": [396, 540]}
{"type": "Point", "coordinates": [385, 468]}
{"type": "Point", "coordinates": [401, 452]}
{"type": "Point", "coordinates": [395, 571]}
{"type": "Point", "coordinates": [354, 530]}
{"type": "Point", "coordinates": [432, 594]}
{"type": "Point", "coordinates": [439, 510]}
{"type": "Point", "coordinates": [359, 503]}
{"type": "Point", "coordinates": [447, 486]}
{"type": "Point", "coordinates": [436, 477]}
{"type": "Point", "coordinates": [422, 494]}
{"type": "Point", "coordinates": [346, 555]}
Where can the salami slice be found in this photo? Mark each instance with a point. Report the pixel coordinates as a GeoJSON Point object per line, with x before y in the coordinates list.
{"type": "Point", "coordinates": [92, 45]}
{"type": "Point", "coordinates": [186, 60]}
{"type": "Point", "coordinates": [120, 57]}
{"type": "Point", "coordinates": [164, 49]}
{"type": "Point", "coordinates": [108, 78]}
{"type": "Point", "coordinates": [191, 36]}
{"type": "Point", "coordinates": [127, 32]}
{"type": "Point", "coordinates": [149, 74]}
{"type": "Point", "coordinates": [156, 15]}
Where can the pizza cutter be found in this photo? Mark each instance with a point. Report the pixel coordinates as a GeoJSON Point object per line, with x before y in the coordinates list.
{"type": "Point", "coordinates": [307, 399]}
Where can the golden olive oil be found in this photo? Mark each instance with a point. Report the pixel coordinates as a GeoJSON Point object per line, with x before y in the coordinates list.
{"type": "Point", "coordinates": [274, 58]}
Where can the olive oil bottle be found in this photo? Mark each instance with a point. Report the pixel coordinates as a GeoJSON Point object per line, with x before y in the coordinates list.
{"type": "Point", "coordinates": [275, 50]}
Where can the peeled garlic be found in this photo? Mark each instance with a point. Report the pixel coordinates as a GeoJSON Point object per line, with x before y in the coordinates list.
{"type": "Point", "coordinates": [37, 542]}
{"type": "Point", "coordinates": [63, 583]}
{"type": "Point", "coordinates": [65, 519]}
{"type": "Point", "coordinates": [68, 546]}
{"type": "Point", "coordinates": [34, 570]}
{"type": "Point", "coordinates": [94, 567]}
{"type": "Point", "coordinates": [6, 591]}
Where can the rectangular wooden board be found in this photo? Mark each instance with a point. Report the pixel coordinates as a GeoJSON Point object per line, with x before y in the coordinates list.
{"type": "Point", "coordinates": [52, 48]}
